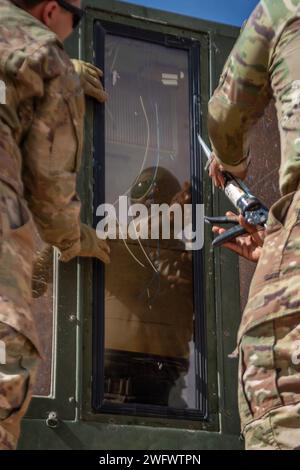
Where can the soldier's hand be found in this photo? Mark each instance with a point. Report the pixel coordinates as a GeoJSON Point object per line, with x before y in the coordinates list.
{"type": "Point", "coordinates": [42, 272]}
{"type": "Point", "coordinates": [216, 173]}
{"type": "Point", "coordinates": [90, 78]}
{"type": "Point", "coordinates": [248, 246]}
{"type": "Point", "coordinates": [92, 246]}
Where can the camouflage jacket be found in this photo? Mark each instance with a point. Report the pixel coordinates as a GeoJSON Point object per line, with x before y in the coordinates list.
{"type": "Point", "coordinates": [255, 72]}
{"type": "Point", "coordinates": [41, 126]}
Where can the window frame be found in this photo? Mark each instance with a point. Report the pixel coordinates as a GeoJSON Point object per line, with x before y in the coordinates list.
{"type": "Point", "coordinates": [192, 47]}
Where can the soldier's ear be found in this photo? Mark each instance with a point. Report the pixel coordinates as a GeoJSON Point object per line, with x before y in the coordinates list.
{"type": "Point", "coordinates": [50, 13]}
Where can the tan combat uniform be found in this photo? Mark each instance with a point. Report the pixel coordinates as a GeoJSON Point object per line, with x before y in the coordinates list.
{"type": "Point", "coordinates": [41, 129]}
{"type": "Point", "coordinates": [264, 64]}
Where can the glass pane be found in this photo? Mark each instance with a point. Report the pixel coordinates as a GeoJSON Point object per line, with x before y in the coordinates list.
{"type": "Point", "coordinates": [149, 321]}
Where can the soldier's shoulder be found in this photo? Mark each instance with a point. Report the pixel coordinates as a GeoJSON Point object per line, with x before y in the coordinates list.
{"type": "Point", "coordinates": [27, 43]}
{"type": "Point", "coordinates": [50, 60]}
{"type": "Point", "coordinates": [268, 20]}
{"type": "Point", "coordinates": [280, 11]}
{"type": "Point", "coordinates": [29, 67]}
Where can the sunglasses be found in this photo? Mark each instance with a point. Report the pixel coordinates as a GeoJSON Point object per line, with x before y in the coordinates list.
{"type": "Point", "coordinates": [78, 13]}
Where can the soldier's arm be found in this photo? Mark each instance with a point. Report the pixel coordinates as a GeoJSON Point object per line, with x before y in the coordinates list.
{"type": "Point", "coordinates": [51, 152]}
{"type": "Point", "coordinates": [242, 94]}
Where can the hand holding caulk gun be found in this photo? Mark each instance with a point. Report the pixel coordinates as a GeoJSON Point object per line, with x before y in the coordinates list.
{"type": "Point", "coordinates": [247, 235]}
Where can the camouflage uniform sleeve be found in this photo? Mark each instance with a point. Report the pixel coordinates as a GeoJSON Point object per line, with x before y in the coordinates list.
{"type": "Point", "coordinates": [243, 92]}
{"type": "Point", "coordinates": [51, 156]}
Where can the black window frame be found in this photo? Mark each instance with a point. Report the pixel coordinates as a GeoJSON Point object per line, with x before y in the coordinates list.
{"type": "Point", "coordinates": [193, 49]}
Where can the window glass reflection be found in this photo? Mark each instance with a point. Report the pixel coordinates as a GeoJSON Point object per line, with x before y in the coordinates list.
{"type": "Point", "coordinates": [149, 320]}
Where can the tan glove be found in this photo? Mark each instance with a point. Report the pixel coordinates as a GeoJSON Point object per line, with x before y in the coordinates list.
{"type": "Point", "coordinates": [92, 246]}
{"type": "Point", "coordinates": [42, 272]}
{"type": "Point", "coordinates": [90, 78]}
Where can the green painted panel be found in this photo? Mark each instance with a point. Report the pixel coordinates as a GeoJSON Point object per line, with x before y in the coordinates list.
{"type": "Point", "coordinates": [93, 436]}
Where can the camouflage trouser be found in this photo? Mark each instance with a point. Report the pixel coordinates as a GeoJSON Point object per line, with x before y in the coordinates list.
{"type": "Point", "coordinates": [269, 379]}
{"type": "Point", "coordinates": [17, 327]}
{"type": "Point", "coordinates": [17, 232]}
{"type": "Point", "coordinates": [269, 335]}
{"type": "Point", "coordinates": [18, 362]}
{"type": "Point", "coordinates": [277, 430]}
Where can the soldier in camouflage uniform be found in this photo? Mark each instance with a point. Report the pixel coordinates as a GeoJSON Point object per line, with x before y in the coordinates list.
{"type": "Point", "coordinates": [264, 64]}
{"type": "Point", "coordinates": [41, 133]}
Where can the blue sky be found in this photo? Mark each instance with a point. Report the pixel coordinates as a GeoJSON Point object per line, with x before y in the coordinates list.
{"type": "Point", "coordinates": [224, 11]}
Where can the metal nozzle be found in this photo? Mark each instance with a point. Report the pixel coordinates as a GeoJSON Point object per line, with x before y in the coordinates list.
{"type": "Point", "coordinates": [206, 150]}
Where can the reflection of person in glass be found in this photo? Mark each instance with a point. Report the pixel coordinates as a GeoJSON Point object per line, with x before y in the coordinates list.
{"type": "Point", "coordinates": [149, 313]}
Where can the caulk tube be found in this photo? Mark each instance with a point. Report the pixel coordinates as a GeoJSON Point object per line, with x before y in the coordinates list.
{"type": "Point", "coordinates": [239, 195]}
{"type": "Point", "coordinates": [236, 191]}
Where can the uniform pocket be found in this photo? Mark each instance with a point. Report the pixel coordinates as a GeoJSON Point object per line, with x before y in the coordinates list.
{"type": "Point", "coordinates": [284, 424]}
{"type": "Point", "coordinates": [287, 357]}
{"type": "Point", "coordinates": [258, 374]}
{"type": "Point", "coordinates": [245, 411]}
{"type": "Point", "coordinates": [276, 215]}
{"type": "Point", "coordinates": [17, 376]}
